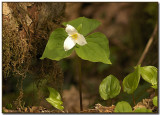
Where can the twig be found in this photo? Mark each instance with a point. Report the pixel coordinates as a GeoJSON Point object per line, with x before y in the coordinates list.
{"type": "Point", "coordinates": [146, 50]}
{"type": "Point", "coordinates": [148, 46]}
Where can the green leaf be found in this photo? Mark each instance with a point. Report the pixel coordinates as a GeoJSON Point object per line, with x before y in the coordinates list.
{"type": "Point", "coordinates": [54, 93]}
{"type": "Point", "coordinates": [155, 102]}
{"type": "Point", "coordinates": [54, 49]}
{"type": "Point", "coordinates": [9, 106]}
{"type": "Point", "coordinates": [55, 99]}
{"type": "Point", "coordinates": [142, 110]}
{"type": "Point", "coordinates": [154, 86]}
{"type": "Point", "coordinates": [56, 105]}
{"type": "Point", "coordinates": [96, 49]}
{"type": "Point", "coordinates": [88, 25]}
{"type": "Point", "coordinates": [109, 87]}
{"type": "Point", "coordinates": [149, 74]}
{"type": "Point", "coordinates": [131, 81]}
{"type": "Point", "coordinates": [123, 106]}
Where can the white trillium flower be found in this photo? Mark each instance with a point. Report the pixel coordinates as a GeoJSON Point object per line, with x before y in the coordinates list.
{"type": "Point", "coordinates": [73, 38]}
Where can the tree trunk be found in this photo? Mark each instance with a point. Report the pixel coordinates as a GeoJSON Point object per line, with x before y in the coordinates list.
{"type": "Point", "coordinates": [26, 29]}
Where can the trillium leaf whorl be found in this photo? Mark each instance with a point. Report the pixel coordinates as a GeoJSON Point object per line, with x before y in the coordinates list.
{"type": "Point", "coordinates": [62, 42]}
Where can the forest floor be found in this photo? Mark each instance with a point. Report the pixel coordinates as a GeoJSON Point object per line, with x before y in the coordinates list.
{"type": "Point", "coordinates": [147, 103]}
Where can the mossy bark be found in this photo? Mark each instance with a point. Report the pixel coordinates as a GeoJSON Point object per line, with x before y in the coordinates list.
{"type": "Point", "coordinates": [26, 29]}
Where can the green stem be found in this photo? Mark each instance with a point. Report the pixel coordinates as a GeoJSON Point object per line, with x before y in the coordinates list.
{"type": "Point", "coordinates": [80, 82]}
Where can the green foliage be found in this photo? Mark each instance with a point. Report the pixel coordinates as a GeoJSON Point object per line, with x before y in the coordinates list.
{"type": "Point", "coordinates": [54, 49]}
{"type": "Point", "coordinates": [96, 49]}
{"type": "Point", "coordinates": [139, 94]}
{"type": "Point", "coordinates": [84, 25]}
{"type": "Point", "coordinates": [155, 101]}
{"type": "Point", "coordinates": [55, 99]}
{"type": "Point", "coordinates": [123, 106]}
{"type": "Point", "coordinates": [149, 74]}
{"type": "Point", "coordinates": [79, 28]}
{"type": "Point", "coordinates": [109, 87]}
{"type": "Point", "coordinates": [142, 110]}
{"type": "Point", "coordinates": [9, 106]}
{"type": "Point", "coordinates": [154, 86]}
{"type": "Point", "coordinates": [130, 85]}
{"type": "Point", "coordinates": [131, 81]}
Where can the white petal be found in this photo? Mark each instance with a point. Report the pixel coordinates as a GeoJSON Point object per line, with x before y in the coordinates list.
{"type": "Point", "coordinates": [69, 43]}
{"type": "Point", "coordinates": [70, 30]}
{"type": "Point", "coordinates": [81, 40]}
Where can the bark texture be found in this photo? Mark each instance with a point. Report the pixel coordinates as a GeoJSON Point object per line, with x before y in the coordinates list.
{"type": "Point", "coordinates": [26, 29]}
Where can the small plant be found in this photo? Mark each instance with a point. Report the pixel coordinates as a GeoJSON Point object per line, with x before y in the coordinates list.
{"type": "Point", "coordinates": [93, 47]}
{"type": "Point", "coordinates": [62, 42]}
{"type": "Point", "coordinates": [55, 99]}
{"type": "Point", "coordinates": [130, 83]}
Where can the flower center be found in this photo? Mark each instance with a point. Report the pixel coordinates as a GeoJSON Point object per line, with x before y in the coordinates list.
{"type": "Point", "coordinates": [74, 36]}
